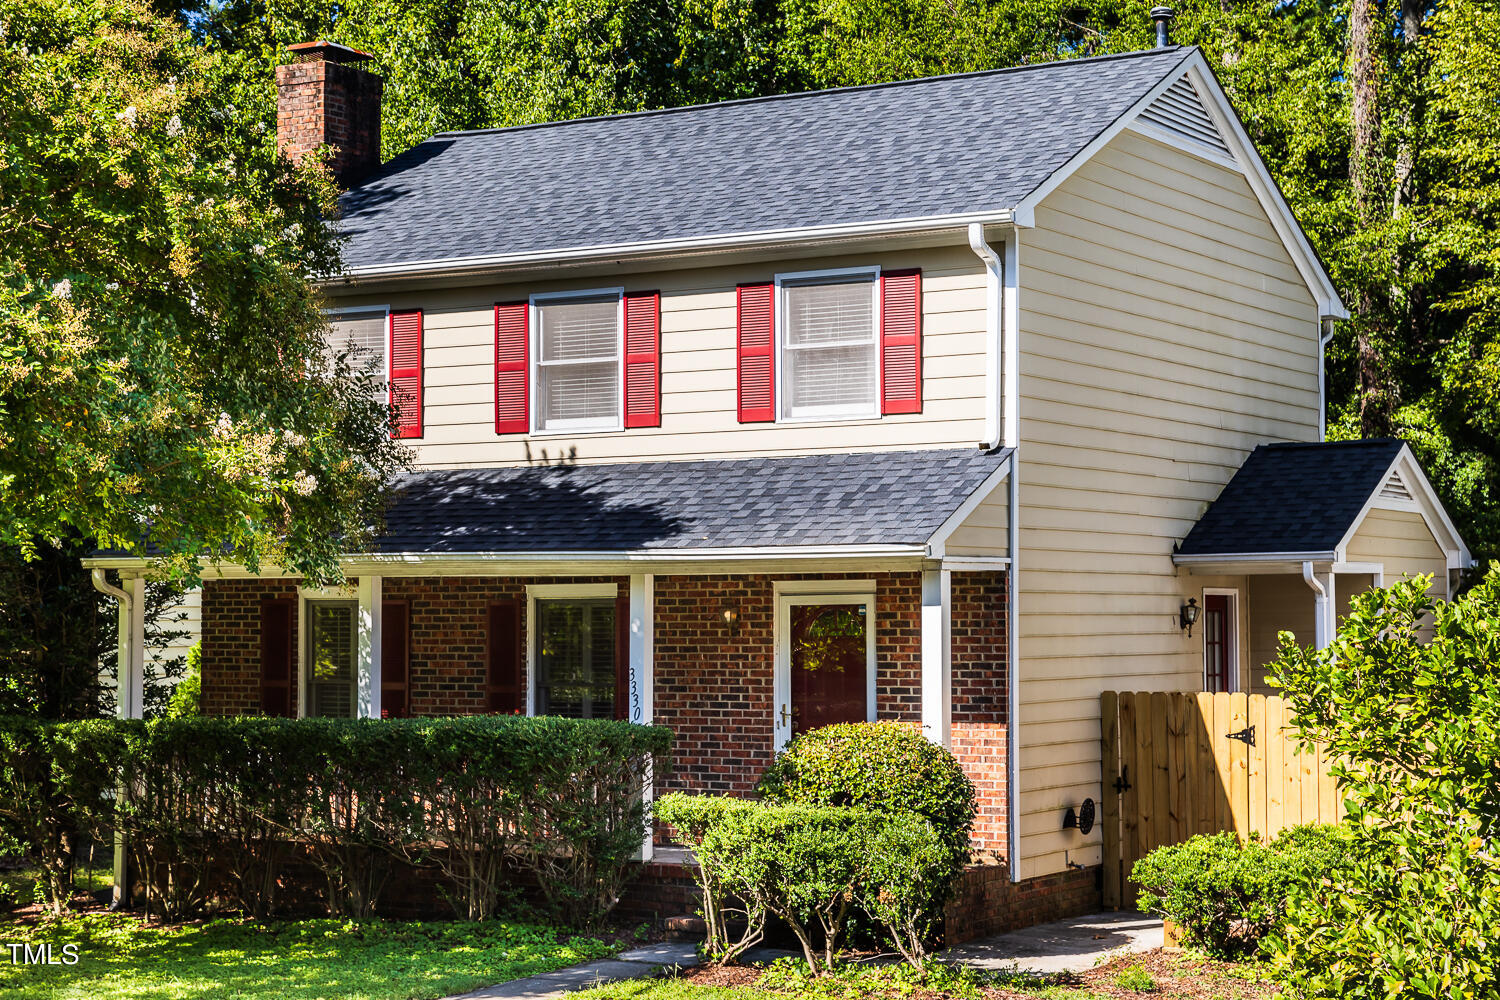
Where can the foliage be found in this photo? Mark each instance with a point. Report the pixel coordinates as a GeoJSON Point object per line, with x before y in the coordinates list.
{"type": "Point", "coordinates": [187, 696]}
{"type": "Point", "coordinates": [813, 867]}
{"type": "Point", "coordinates": [1136, 979]}
{"type": "Point", "coordinates": [58, 636]}
{"type": "Point", "coordinates": [1227, 895]}
{"type": "Point", "coordinates": [123, 958]}
{"type": "Point", "coordinates": [203, 793]}
{"type": "Point", "coordinates": [1406, 703]}
{"type": "Point", "coordinates": [163, 378]}
{"type": "Point", "coordinates": [882, 766]}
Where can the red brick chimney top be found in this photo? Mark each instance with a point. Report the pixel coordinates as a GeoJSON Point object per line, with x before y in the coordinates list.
{"type": "Point", "coordinates": [327, 52]}
{"type": "Point", "coordinates": [325, 97]}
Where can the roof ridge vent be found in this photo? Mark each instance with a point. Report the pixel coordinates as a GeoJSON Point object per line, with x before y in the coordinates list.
{"type": "Point", "coordinates": [1181, 111]}
{"type": "Point", "coordinates": [1394, 488]}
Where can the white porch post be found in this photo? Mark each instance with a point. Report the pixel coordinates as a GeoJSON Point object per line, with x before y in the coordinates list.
{"type": "Point", "coordinates": [642, 695]}
{"type": "Point", "coordinates": [369, 647]}
{"type": "Point", "coordinates": [130, 678]}
{"type": "Point", "coordinates": [937, 655]}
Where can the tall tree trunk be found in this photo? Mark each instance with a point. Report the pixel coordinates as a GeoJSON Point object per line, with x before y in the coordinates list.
{"type": "Point", "coordinates": [1364, 176]}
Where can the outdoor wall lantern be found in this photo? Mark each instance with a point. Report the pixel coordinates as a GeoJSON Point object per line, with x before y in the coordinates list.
{"type": "Point", "coordinates": [1188, 614]}
{"type": "Point", "coordinates": [731, 617]}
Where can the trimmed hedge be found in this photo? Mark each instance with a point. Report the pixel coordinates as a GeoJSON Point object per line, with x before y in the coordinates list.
{"type": "Point", "coordinates": [479, 796]}
{"type": "Point", "coordinates": [813, 867]}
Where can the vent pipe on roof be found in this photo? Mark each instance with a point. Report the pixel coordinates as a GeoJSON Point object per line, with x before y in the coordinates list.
{"type": "Point", "coordinates": [1163, 17]}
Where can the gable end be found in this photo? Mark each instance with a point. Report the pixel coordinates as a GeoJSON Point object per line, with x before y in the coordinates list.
{"type": "Point", "coordinates": [1180, 111]}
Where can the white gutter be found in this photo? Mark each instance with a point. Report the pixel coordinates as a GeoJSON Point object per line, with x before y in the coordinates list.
{"type": "Point", "coordinates": [720, 242]}
{"type": "Point", "coordinates": [1320, 606]}
{"type": "Point", "coordinates": [105, 587]}
{"type": "Point", "coordinates": [1214, 558]}
{"type": "Point", "coordinates": [994, 276]}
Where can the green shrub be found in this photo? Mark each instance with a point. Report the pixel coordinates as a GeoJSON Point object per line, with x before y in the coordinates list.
{"type": "Point", "coordinates": [692, 816]}
{"type": "Point", "coordinates": [1135, 979]}
{"type": "Point", "coordinates": [1406, 702]}
{"type": "Point", "coordinates": [909, 871]}
{"type": "Point", "coordinates": [882, 766]}
{"type": "Point", "coordinates": [1226, 895]}
{"type": "Point", "coordinates": [187, 695]}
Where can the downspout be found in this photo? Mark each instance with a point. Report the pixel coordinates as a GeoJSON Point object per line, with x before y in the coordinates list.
{"type": "Point", "coordinates": [121, 898]}
{"type": "Point", "coordinates": [1320, 606]}
{"type": "Point", "coordinates": [1004, 381]}
{"type": "Point", "coordinates": [1326, 334]}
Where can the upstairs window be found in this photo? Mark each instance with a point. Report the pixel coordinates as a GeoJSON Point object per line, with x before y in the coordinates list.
{"type": "Point", "coordinates": [830, 351]}
{"type": "Point", "coordinates": [578, 378]}
{"type": "Point", "coordinates": [364, 334]}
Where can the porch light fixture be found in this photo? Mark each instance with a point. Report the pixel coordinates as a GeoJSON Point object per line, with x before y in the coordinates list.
{"type": "Point", "coordinates": [731, 617]}
{"type": "Point", "coordinates": [1188, 614]}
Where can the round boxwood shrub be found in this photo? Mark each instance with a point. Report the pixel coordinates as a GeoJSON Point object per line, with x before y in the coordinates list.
{"type": "Point", "coordinates": [881, 766]}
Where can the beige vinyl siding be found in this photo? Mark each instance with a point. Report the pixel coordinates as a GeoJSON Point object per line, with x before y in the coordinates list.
{"type": "Point", "coordinates": [698, 369]}
{"type": "Point", "coordinates": [1164, 333]}
{"type": "Point", "coordinates": [984, 531]}
{"type": "Point", "coordinates": [1401, 541]}
{"type": "Point", "coordinates": [1279, 602]}
{"type": "Point", "coordinates": [190, 610]}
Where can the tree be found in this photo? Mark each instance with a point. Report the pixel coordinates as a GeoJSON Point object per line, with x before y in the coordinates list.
{"type": "Point", "coordinates": [164, 388]}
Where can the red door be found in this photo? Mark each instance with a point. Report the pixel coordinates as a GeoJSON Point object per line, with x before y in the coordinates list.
{"type": "Point", "coordinates": [829, 665]}
{"type": "Point", "coordinates": [1216, 642]}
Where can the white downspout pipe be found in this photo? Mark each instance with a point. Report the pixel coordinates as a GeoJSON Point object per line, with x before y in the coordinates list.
{"type": "Point", "coordinates": [1321, 637]}
{"type": "Point", "coordinates": [1325, 335]}
{"type": "Point", "coordinates": [1003, 380]}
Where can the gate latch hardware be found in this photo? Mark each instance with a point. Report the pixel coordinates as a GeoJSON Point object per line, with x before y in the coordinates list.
{"type": "Point", "coordinates": [1122, 783]}
{"type": "Point", "coordinates": [1245, 736]}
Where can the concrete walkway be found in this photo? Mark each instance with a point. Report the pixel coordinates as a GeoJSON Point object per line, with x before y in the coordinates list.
{"type": "Point", "coordinates": [637, 963]}
{"type": "Point", "coordinates": [1074, 945]}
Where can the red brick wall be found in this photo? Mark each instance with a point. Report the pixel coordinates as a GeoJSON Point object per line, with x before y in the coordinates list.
{"type": "Point", "coordinates": [986, 902]}
{"type": "Point", "coordinates": [231, 643]}
{"type": "Point", "coordinates": [714, 685]}
{"type": "Point", "coordinates": [449, 619]}
{"type": "Point", "coordinates": [979, 697]}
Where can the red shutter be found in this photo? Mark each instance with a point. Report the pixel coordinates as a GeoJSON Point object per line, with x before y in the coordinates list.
{"type": "Point", "coordinates": [395, 659]}
{"type": "Point", "coordinates": [276, 655]}
{"type": "Point", "coordinates": [504, 689]}
{"type": "Point", "coordinates": [757, 352]}
{"type": "Point", "coordinates": [643, 359]}
{"type": "Point", "coordinates": [512, 389]}
{"type": "Point", "coordinates": [406, 372]}
{"type": "Point", "coordinates": [901, 342]}
{"type": "Point", "coordinates": [622, 656]}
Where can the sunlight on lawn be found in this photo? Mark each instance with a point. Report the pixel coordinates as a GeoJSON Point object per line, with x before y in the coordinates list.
{"type": "Point", "coordinates": [122, 959]}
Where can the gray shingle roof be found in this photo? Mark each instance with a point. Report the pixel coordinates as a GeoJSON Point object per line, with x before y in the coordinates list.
{"type": "Point", "coordinates": [973, 143]}
{"type": "Point", "coordinates": [868, 498]}
{"type": "Point", "coordinates": [1292, 498]}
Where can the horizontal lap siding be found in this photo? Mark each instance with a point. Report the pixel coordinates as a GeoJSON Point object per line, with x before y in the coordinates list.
{"type": "Point", "coordinates": [1164, 333]}
{"type": "Point", "coordinates": [1400, 540]}
{"type": "Point", "coordinates": [699, 413]}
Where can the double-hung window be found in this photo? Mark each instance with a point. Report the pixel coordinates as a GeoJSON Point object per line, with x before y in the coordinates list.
{"type": "Point", "coordinates": [578, 352]}
{"type": "Point", "coordinates": [331, 652]}
{"type": "Point", "coordinates": [576, 658]}
{"type": "Point", "coordinates": [363, 334]}
{"type": "Point", "coordinates": [829, 345]}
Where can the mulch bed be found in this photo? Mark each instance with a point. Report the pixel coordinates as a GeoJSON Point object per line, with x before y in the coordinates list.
{"type": "Point", "coordinates": [1177, 977]}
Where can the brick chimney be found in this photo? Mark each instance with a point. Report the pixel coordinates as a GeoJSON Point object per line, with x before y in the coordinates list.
{"type": "Point", "coordinates": [324, 98]}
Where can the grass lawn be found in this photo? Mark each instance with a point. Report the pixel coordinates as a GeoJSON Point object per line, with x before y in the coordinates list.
{"type": "Point", "coordinates": [1155, 974]}
{"type": "Point", "coordinates": [121, 958]}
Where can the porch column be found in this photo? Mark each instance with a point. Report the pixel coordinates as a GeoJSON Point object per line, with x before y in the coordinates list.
{"type": "Point", "coordinates": [642, 694]}
{"type": "Point", "coordinates": [368, 664]}
{"type": "Point", "coordinates": [130, 676]}
{"type": "Point", "coordinates": [937, 655]}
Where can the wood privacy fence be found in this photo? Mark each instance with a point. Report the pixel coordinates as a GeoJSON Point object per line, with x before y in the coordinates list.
{"type": "Point", "coordinates": [1180, 764]}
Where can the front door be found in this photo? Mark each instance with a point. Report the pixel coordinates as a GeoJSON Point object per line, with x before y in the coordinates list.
{"type": "Point", "coordinates": [1217, 646]}
{"type": "Point", "coordinates": [826, 664]}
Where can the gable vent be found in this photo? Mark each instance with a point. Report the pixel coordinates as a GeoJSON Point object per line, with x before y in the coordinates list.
{"type": "Point", "coordinates": [1395, 489]}
{"type": "Point", "coordinates": [1180, 110]}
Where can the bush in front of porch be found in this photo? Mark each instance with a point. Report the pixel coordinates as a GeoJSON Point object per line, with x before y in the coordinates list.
{"type": "Point", "coordinates": [214, 808]}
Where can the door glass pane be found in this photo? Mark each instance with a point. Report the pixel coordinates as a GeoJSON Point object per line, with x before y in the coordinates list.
{"type": "Point", "coordinates": [576, 659]}
{"type": "Point", "coordinates": [330, 661]}
{"type": "Point", "coordinates": [829, 662]}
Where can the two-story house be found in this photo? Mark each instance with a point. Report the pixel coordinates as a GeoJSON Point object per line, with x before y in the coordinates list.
{"type": "Point", "coordinates": [936, 379]}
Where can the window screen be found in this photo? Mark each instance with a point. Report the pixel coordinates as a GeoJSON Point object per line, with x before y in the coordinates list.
{"type": "Point", "coordinates": [829, 353]}
{"type": "Point", "coordinates": [330, 659]}
{"type": "Point", "coordinates": [575, 659]}
{"type": "Point", "coordinates": [364, 334]}
{"type": "Point", "coordinates": [578, 364]}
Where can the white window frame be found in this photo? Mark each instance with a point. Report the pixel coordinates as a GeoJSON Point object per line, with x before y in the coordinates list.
{"type": "Point", "coordinates": [534, 368]}
{"type": "Point", "coordinates": [333, 314]}
{"type": "Point", "coordinates": [1232, 638]}
{"type": "Point", "coordinates": [307, 596]}
{"type": "Point", "coordinates": [836, 275]}
{"type": "Point", "coordinates": [554, 592]}
{"type": "Point", "coordinates": [793, 592]}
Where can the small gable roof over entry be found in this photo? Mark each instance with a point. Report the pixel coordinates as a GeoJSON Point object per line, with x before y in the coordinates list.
{"type": "Point", "coordinates": [1303, 501]}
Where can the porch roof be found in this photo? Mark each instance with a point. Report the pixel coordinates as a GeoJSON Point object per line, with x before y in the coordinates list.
{"type": "Point", "coordinates": [1295, 499]}
{"type": "Point", "coordinates": [867, 498]}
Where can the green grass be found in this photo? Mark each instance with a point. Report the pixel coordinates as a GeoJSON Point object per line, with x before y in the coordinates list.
{"type": "Point", "coordinates": [120, 958]}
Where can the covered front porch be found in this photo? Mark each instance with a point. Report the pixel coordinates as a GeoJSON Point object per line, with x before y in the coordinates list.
{"type": "Point", "coordinates": [1299, 532]}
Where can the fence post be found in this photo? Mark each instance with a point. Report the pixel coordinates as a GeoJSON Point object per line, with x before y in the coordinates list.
{"type": "Point", "coordinates": [1109, 714]}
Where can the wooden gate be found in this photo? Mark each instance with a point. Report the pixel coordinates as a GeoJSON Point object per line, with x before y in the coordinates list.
{"type": "Point", "coordinates": [1180, 764]}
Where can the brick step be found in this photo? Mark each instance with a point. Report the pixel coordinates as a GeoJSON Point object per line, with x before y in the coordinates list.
{"type": "Point", "coordinates": [686, 927]}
